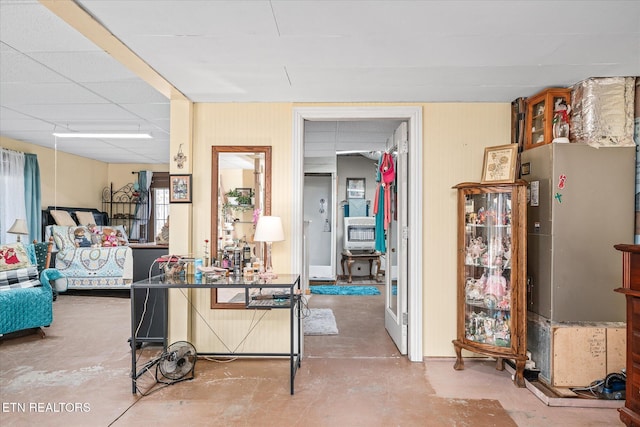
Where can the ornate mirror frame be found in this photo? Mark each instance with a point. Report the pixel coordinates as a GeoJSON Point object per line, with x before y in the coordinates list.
{"type": "Point", "coordinates": [220, 200]}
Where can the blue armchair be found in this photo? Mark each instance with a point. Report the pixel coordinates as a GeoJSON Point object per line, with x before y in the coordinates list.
{"type": "Point", "coordinates": [24, 303]}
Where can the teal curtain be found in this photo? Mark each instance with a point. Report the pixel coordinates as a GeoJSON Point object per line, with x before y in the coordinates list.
{"type": "Point", "coordinates": [32, 197]}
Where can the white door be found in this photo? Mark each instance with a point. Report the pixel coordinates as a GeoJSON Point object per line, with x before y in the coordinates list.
{"type": "Point", "coordinates": [395, 314]}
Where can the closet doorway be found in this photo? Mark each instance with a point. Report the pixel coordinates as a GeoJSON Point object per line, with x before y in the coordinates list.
{"type": "Point", "coordinates": [412, 251]}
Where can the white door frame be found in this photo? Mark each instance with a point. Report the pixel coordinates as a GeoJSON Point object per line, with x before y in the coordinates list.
{"type": "Point", "coordinates": [413, 115]}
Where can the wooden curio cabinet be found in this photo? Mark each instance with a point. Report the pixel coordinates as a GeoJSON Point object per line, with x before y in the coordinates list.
{"type": "Point", "coordinates": [492, 273]}
{"type": "Point", "coordinates": [540, 107]}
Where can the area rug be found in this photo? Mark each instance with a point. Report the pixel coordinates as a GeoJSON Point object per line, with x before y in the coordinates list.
{"type": "Point", "coordinates": [320, 321]}
{"type": "Point", "coordinates": [344, 290]}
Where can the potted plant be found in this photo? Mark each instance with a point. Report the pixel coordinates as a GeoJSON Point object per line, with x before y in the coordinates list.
{"type": "Point", "coordinates": [232, 196]}
{"type": "Point", "coordinates": [244, 200]}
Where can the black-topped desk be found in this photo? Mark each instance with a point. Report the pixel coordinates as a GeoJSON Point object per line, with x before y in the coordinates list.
{"type": "Point", "coordinates": [289, 283]}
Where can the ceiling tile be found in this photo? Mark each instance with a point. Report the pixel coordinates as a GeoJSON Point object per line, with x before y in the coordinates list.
{"type": "Point", "coordinates": [85, 66]}
{"type": "Point", "coordinates": [127, 92]}
{"type": "Point", "coordinates": [73, 112]}
{"type": "Point", "coordinates": [15, 67]}
{"type": "Point", "coordinates": [28, 26]}
{"type": "Point", "coordinates": [23, 94]}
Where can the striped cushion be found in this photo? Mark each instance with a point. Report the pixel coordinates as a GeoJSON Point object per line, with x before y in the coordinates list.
{"type": "Point", "coordinates": [19, 278]}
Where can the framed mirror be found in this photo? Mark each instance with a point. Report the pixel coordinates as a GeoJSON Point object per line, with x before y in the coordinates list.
{"type": "Point", "coordinates": [240, 191]}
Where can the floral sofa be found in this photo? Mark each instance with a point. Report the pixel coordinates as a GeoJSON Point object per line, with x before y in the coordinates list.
{"type": "Point", "coordinates": [92, 257]}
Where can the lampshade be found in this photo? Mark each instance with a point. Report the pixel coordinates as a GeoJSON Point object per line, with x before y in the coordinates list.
{"type": "Point", "coordinates": [269, 229]}
{"type": "Point", "coordinates": [19, 227]}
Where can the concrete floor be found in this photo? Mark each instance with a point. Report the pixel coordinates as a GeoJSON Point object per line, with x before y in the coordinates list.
{"type": "Point", "coordinates": [79, 376]}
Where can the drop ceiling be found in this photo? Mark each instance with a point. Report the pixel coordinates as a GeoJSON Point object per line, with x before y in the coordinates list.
{"type": "Point", "coordinates": [54, 78]}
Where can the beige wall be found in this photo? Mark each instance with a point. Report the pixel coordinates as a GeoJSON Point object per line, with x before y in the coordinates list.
{"type": "Point", "coordinates": [234, 124]}
{"type": "Point", "coordinates": [59, 175]}
{"type": "Point", "coordinates": [454, 138]}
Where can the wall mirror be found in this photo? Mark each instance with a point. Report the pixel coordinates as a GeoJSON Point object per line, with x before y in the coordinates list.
{"type": "Point", "coordinates": [240, 190]}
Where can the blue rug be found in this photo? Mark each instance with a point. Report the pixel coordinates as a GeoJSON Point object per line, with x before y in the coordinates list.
{"type": "Point", "coordinates": [344, 290]}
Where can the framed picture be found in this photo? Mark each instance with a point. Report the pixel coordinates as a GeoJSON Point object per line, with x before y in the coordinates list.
{"type": "Point", "coordinates": [245, 191]}
{"type": "Point", "coordinates": [356, 188]}
{"type": "Point", "coordinates": [180, 189]}
{"type": "Point", "coordinates": [499, 164]}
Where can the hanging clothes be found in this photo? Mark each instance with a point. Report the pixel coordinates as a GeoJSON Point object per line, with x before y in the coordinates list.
{"type": "Point", "coordinates": [385, 175]}
{"type": "Point", "coordinates": [378, 211]}
{"type": "Point", "coordinates": [387, 169]}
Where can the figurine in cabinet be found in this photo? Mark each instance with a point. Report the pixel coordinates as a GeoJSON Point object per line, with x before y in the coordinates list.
{"type": "Point", "coordinates": [561, 121]}
{"type": "Point", "coordinates": [507, 253]}
{"type": "Point", "coordinates": [475, 250]}
{"type": "Point", "coordinates": [473, 290]}
{"type": "Point", "coordinates": [496, 285]}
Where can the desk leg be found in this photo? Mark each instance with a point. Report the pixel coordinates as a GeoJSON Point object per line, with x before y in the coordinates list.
{"type": "Point", "coordinates": [292, 372]}
{"type": "Point", "coordinates": [133, 341]}
{"type": "Point", "coordinates": [378, 266]}
{"type": "Point", "coordinates": [342, 264]}
{"type": "Point", "coordinates": [350, 262]}
{"type": "Point", "coordinates": [371, 269]}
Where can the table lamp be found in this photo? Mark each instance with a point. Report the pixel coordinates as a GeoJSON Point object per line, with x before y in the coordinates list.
{"type": "Point", "coordinates": [269, 230]}
{"type": "Point", "coordinates": [19, 227]}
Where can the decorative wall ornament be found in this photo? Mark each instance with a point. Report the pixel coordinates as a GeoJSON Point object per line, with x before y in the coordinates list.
{"type": "Point", "coordinates": [180, 158]}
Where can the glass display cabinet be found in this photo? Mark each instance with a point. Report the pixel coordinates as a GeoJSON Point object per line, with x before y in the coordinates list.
{"type": "Point", "coordinates": [540, 110]}
{"type": "Point", "coordinates": [491, 273]}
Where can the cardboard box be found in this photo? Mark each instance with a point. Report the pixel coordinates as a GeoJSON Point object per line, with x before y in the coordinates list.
{"type": "Point", "coordinates": [582, 355]}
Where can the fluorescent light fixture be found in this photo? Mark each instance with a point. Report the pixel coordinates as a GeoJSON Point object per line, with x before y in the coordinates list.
{"type": "Point", "coordinates": [103, 135]}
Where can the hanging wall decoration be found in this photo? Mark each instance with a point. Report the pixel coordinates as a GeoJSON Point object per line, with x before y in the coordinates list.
{"type": "Point", "coordinates": [180, 158]}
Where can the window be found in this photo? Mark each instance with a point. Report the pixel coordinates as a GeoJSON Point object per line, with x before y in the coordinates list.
{"type": "Point", "coordinates": [160, 203]}
{"type": "Point", "coordinates": [160, 207]}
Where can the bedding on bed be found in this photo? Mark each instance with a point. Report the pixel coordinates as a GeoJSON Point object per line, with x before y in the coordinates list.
{"type": "Point", "coordinates": [93, 257]}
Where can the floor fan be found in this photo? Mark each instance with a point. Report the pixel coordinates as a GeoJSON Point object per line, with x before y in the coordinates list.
{"type": "Point", "coordinates": [175, 364]}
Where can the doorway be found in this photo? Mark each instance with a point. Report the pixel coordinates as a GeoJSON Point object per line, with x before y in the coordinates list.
{"type": "Point", "coordinates": [413, 117]}
{"type": "Point", "coordinates": [319, 209]}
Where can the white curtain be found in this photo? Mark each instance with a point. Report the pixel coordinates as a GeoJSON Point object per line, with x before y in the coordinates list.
{"type": "Point", "coordinates": [12, 205]}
